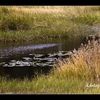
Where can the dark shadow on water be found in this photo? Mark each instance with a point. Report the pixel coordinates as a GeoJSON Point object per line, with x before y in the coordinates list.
{"type": "Point", "coordinates": [24, 72]}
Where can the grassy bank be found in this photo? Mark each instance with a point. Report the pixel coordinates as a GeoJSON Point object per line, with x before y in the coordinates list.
{"type": "Point", "coordinates": [79, 74]}
{"type": "Point", "coordinates": [26, 23]}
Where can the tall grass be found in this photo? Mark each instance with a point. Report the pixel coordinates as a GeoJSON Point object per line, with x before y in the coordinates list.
{"type": "Point", "coordinates": [84, 63]}
{"type": "Point", "coordinates": [49, 21]}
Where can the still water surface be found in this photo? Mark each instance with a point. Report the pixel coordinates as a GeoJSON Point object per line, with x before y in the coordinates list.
{"type": "Point", "coordinates": [17, 52]}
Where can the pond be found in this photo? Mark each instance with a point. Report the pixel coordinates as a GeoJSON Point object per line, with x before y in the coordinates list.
{"type": "Point", "coordinates": [19, 60]}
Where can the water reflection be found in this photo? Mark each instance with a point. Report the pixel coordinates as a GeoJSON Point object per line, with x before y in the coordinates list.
{"type": "Point", "coordinates": [23, 49]}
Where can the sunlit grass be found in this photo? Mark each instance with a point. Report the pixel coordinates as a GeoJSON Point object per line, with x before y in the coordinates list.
{"type": "Point", "coordinates": [84, 63]}
{"type": "Point", "coordinates": [49, 21]}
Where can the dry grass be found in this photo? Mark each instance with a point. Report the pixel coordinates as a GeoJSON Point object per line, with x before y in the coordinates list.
{"type": "Point", "coordinates": [83, 64]}
{"type": "Point", "coordinates": [54, 10]}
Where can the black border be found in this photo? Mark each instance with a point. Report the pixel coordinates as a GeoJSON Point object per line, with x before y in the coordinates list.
{"type": "Point", "coordinates": [49, 2]}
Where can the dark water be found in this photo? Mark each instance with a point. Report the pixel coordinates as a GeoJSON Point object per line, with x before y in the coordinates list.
{"type": "Point", "coordinates": [16, 52]}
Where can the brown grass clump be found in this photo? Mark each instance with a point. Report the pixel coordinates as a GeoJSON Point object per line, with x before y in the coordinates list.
{"type": "Point", "coordinates": [84, 62]}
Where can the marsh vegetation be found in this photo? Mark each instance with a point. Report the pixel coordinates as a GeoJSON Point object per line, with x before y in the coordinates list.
{"type": "Point", "coordinates": [77, 74]}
